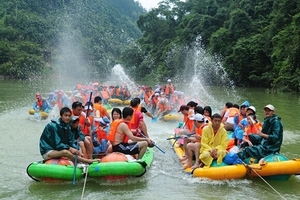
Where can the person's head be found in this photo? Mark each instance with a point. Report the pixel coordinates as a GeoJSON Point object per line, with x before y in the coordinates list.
{"type": "Point", "coordinates": [97, 99]}
{"type": "Point", "coordinates": [184, 109]}
{"type": "Point", "coordinates": [38, 96]}
{"type": "Point", "coordinates": [127, 113]}
{"type": "Point", "coordinates": [199, 109]}
{"type": "Point", "coordinates": [251, 110]}
{"type": "Point", "coordinates": [138, 100]}
{"type": "Point", "coordinates": [236, 106]}
{"type": "Point", "coordinates": [192, 104]}
{"type": "Point", "coordinates": [216, 121]}
{"type": "Point", "coordinates": [74, 122]}
{"type": "Point", "coordinates": [251, 119]}
{"type": "Point", "coordinates": [77, 108]}
{"type": "Point", "coordinates": [269, 110]}
{"type": "Point", "coordinates": [134, 103]}
{"type": "Point", "coordinates": [228, 105]}
{"type": "Point", "coordinates": [162, 101]}
{"type": "Point", "coordinates": [207, 111]}
{"type": "Point", "coordinates": [198, 120]}
{"type": "Point", "coordinates": [65, 114]}
{"type": "Point", "coordinates": [116, 113]}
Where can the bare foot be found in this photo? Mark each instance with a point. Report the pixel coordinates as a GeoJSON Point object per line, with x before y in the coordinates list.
{"type": "Point", "coordinates": [94, 160]}
{"type": "Point", "coordinates": [188, 165]}
{"type": "Point", "coordinates": [183, 158]}
{"type": "Point", "coordinates": [196, 165]}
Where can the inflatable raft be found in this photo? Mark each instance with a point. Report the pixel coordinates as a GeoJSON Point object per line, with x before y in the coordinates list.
{"type": "Point", "coordinates": [42, 114]}
{"type": "Point", "coordinates": [275, 167]}
{"type": "Point", "coordinates": [114, 164]}
{"type": "Point", "coordinates": [173, 117]}
{"type": "Point", "coordinates": [115, 101]}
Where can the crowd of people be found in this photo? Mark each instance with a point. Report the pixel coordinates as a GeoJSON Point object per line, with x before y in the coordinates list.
{"type": "Point", "coordinates": [86, 129]}
{"type": "Point", "coordinates": [205, 137]}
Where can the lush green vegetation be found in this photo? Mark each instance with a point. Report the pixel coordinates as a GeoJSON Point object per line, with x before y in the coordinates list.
{"type": "Point", "coordinates": [257, 41]}
{"type": "Point", "coordinates": [37, 36]}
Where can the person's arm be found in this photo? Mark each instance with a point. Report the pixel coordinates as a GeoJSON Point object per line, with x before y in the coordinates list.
{"type": "Point", "coordinates": [124, 128]}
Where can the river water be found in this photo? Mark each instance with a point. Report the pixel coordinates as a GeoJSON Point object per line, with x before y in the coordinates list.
{"type": "Point", "coordinates": [164, 180]}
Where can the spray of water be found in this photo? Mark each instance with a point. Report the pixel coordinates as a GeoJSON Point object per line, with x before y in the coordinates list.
{"type": "Point", "coordinates": [209, 82]}
{"type": "Point", "coordinates": [122, 77]}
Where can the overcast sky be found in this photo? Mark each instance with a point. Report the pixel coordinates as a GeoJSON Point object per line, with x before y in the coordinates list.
{"type": "Point", "coordinates": [148, 4]}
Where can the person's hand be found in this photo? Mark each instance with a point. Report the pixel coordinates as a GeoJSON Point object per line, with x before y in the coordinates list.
{"type": "Point", "coordinates": [73, 150]}
{"type": "Point", "coordinates": [214, 153]}
{"type": "Point", "coordinates": [250, 143]}
{"type": "Point", "coordinates": [150, 142]}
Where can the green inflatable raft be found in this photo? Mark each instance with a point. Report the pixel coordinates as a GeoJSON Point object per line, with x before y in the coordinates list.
{"type": "Point", "coordinates": [114, 164]}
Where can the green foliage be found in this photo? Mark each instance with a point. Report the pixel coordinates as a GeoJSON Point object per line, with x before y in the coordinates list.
{"type": "Point", "coordinates": [257, 41]}
{"type": "Point", "coordinates": [86, 35]}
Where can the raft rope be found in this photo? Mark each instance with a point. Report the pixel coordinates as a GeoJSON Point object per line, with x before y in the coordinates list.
{"type": "Point", "coordinates": [268, 184]}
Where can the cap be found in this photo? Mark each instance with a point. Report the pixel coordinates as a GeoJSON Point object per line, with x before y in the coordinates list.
{"type": "Point", "coordinates": [252, 108]}
{"type": "Point", "coordinates": [162, 100]}
{"type": "Point", "coordinates": [156, 94]}
{"type": "Point", "coordinates": [169, 81]}
{"type": "Point", "coordinates": [198, 117]}
{"type": "Point", "coordinates": [183, 107]}
{"type": "Point", "coordinates": [74, 119]}
{"type": "Point", "coordinates": [102, 120]}
{"type": "Point", "coordinates": [269, 106]}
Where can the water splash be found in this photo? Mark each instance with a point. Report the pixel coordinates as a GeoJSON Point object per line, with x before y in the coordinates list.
{"type": "Point", "coordinates": [209, 82]}
{"type": "Point", "coordinates": [124, 78]}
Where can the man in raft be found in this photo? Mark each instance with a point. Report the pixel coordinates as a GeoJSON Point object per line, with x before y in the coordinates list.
{"type": "Point", "coordinates": [120, 133]}
{"type": "Point", "coordinates": [57, 140]}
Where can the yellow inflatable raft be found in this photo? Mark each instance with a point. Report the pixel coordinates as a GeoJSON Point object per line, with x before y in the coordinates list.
{"type": "Point", "coordinates": [173, 117]}
{"type": "Point", "coordinates": [276, 167]}
{"type": "Point", "coordinates": [115, 101]}
{"type": "Point", "coordinates": [44, 115]}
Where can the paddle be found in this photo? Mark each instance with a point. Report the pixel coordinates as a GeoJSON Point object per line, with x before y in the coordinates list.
{"type": "Point", "coordinates": [178, 137]}
{"type": "Point", "coordinates": [155, 119]}
{"type": "Point", "coordinates": [75, 166]}
{"type": "Point", "coordinates": [144, 136]}
{"type": "Point", "coordinates": [90, 99]}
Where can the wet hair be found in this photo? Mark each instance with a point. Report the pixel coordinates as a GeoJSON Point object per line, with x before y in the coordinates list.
{"type": "Point", "coordinates": [236, 106]}
{"type": "Point", "coordinates": [76, 104]}
{"type": "Point", "coordinates": [64, 110]}
{"type": "Point", "coordinates": [207, 108]}
{"type": "Point", "coordinates": [134, 102]}
{"type": "Point", "coordinates": [216, 115]}
{"type": "Point", "coordinates": [97, 99]}
{"type": "Point", "coordinates": [199, 109]}
{"type": "Point", "coordinates": [118, 110]}
{"type": "Point", "coordinates": [127, 111]}
{"type": "Point", "coordinates": [192, 104]}
{"type": "Point", "coordinates": [138, 99]}
{"type": "Point", "coordinates": [228, 104]}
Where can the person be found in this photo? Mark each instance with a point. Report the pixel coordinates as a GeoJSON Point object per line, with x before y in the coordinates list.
{"type": "Point", "coordinates": [213, 142]}
{"type": "Point", "coordinates": [143, 109]}
{"type": "Point", "coordinates": [78, 135]}
{"type": "Point", "coordinates": [207, 111]}
{"type": "Point", "coordinates": [169, 89]}
{"type": "Point", "coordinates": [100, 141]}
{"type": "Point", "coordinates": [100, 110]}
{"type": "Point", "coordinates": [41, 104]}
{"type": "Point", "coordinates": [116, 113]}
{"type": "Point", "coordinates": [120, 133]}
{"type": "Point", "coordinates": [227, 106]}
{"type": "Point", "coordinates": [228, 118]}
{"type": "Point", "coordinates": [267, 141]}
{"type": "Point", "coordinates": [163, 108]}
{"type": "Point", "coordinates": [137, 123]}
{"type": "Point", "coordinates": [57, 140]}
{"type": "Point", "coordinates": [85, 126]}
{"type": "Point", "coordinates": [253, 127]}
{"type": "Point", "coordinates": [193, 143]}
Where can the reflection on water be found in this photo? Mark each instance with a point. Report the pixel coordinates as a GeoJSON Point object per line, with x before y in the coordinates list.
{"type": "Point", "coordinates": [165, 179]}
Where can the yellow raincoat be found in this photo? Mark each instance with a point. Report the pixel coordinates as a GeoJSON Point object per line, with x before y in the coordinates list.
{"type": "Point", "coordinates": [210, 141]}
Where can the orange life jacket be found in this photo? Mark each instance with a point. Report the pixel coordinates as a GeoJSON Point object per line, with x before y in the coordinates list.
{"type": "Point", "coordinates": [169, 89]}
{"type": "Point", "coordinates": [233, 112]}
{"type": "Point", "coordinates": [40, 103]}
{"type": "Point", "coordinates": [113, 130]}
{"type": "Point", "coordinates": [84, 128]}
{"type": "Point", "coordinates": [59, 103]}
{"type": "Point", "coordinates": [101, 109]}
{"type": "Point", "coordinates": [134, 122]}
{"type": "Point", "coordinates": [101, 134]}
{"type": "Point", "coordinates": [254, 129]}
{"type": "Point", "coordinates": [189, 124]}
{"type": "Point", "coordinates": [199, 130]}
